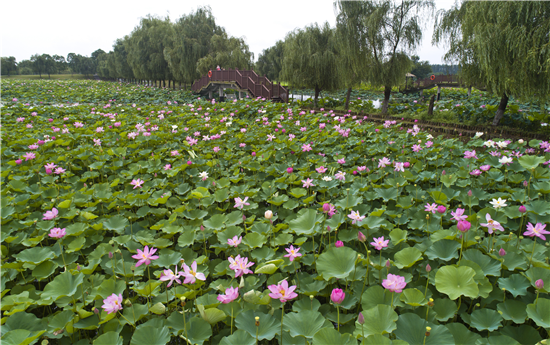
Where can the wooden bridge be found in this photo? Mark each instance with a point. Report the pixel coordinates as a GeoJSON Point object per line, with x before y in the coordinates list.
{"type": "Point", "coordinates": [242, 81]}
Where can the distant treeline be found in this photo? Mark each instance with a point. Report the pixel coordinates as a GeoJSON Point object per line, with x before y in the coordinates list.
{"type": "Point", "coordinates": [444, 69]}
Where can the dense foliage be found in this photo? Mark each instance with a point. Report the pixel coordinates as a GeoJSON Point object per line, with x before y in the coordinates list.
{"type": "Point", "coordinates": [228, 223]}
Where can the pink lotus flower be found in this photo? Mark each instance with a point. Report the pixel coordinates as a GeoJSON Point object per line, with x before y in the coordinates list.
{"type": "Point", "coordinates": [242, 144]}
{"type": "Point", "coordinates": [475, 172]}
{"type": "Point", "coordinates": [394, 283]}
{"type": "Point", "coordinates": [341, 161]}
{"type": "Point", "coordinates": [216, 149]}
{"type": "Point", "coordinates": [171, 276]}
{"type": "Point", "coordinates": [18, 161]}
{"type": "Point", "coordinates": [112, 304]}
{"type": "Point", "coordinates": [241, 203]}
{"type": "Point", "coordinates": [361, 237]}
{"type": "Point", "coordinates": [230, 295]}
{"type": "Point", "coordinates": [240, 265]}
{"type": "Point", "coordinates": [431, 208]}
{"type": "Point", "coordinates": [307, 183]}
{"type": "Point", "coordinates": [340, 176]}
{"type": "Point", "coordinates": [306, 147]}
{"type": "Point", "coordinates": [59, 171]}
{"type": "Point", "coordinates": [399, 167]}
{"type": "Point", "coordinates": [485, 167]}
{"type": "Point", "coordinates": [464, 225]}
{"type": "Point", "coordinates": [137, 183]}
{"type": "Point", "coordinates": [145, 256]}
{"type": "Point", "coordinates": [355, 216]}
{"type": "Point", "coordinates": [292, 253]}
{"type": "Point", "coordinates": [537, 230]}
{"type": "Point", "coordinates": [282, 291]}
{"type": "Point", "coordinates": [361, 168]}
{"type": "Point", "coordinates": [321, 169]}
{"type": "Point", "coordinates": [458, 215]}
{"type": "Point", "coordinates": [57, 233]}
{"type": "Point", "coordinates": [339, 244]}
{"type": "Point", "coordinates": [49, 215]}
{"type": "Point", "coordinates": [235, 241]}
{"type": "Point", "coordinates": [289, 170]}
{"type": "Point", "coordinates": [337, 296]}
{"type": "Point", "coordinates": [191, 274]}
{"type": "Point", "coordinates": [470, 154]}
{"type": "Point", "coordinates": [441, 209]}
{"type": "Point", "coordinates": [383, 162]}
{"type": "Point", "coordinates": [168, 167]}
{"type": "Point", "coordinates": [492, 224]}
{"type": "Point", "coordinates": [29, 156]}
{"type": "Point", "coordinates": [416, 148]}
{"type": "Point", "coordinates": [379, 243]}
{"type": "Point", "coordinates": [501, 252]}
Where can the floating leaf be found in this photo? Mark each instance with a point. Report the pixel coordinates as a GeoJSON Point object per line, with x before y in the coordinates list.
{"type": "Point", "coordinates": [455, 281]}
{"type": "Point", "coordinates": [336, 262]}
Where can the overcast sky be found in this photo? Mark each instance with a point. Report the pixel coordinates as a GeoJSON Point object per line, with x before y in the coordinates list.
{"type": "Point", "coordinates": [62, 27]}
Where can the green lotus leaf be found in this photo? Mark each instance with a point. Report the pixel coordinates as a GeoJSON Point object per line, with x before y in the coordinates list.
{"type": "Point", "coordinates": [279, 200]}
{"type": "Point", "coordinates": [443, 250]}
{"type": "Point", "coordinates": [330, 336]}
{"type": "Point", "coordinates": [20, 337]}
{"type": "Point", "coordinates": [349, 201]}
{"type": "Point", "coordinates": [461, 334]}
{"type": "Point", "coordinates": [215, 222]}
{"type": "Point", "coordinates": [377, 339]}
{"type": "Point", "coordinates": [211, 315]}
{"type": "Point", "coordinates": [35, 255]}
{"type": "Point", "coordinates": [44, 270]}
{"type": "Point", "coordinates": [60, 320]}
{"type": "Point", "coordinates": [195, 214]}
{"type": "Point", "coordinates": [456, 282]}
{"type": "Point", "coordinates": [304, 323]}
{"type": "Point", "coordinates": [76, 229]}
{"type": "Point", "coordinates": [540, 312]}
{"type": "Point", "coordinates": [304, 224]}
{"type": "Point", "coordinates": [490, 266]}
{"type": "Point", "coordinates": [158, 308]}
{"type": "Point", "coordinates": [407, 257]}
{"type": "Point", "coordinates": [376, 295]}
{"type": "Point", "coordinates": [109, 338]}
{"type": "Point", "coordinates": [530, 162]}
{"type": "Point", "coordinates": [411, 328]}
{"type": "Point", "coordinates": [76, 245]}
{"type": "Point", "coordinates": [306, 304]}
{"type": "Point", "coordinates": [485, 319]}
{"type": "Point", "coordinates": [512, 310]}
{"type": "Point", "coordinates": [515, 284]}
{"type": "Point", "coordinates": [336, 263]}
{"type": "Point", "coordinates": [444, 309]}
{"type": "Point", "coordinates": [65, 284]}
{"type": "Point", "coordinates": [298, 192]}
{"type": "Point", "coordinates": [257, 297]}
{"type": "Point", "coordinates": [254, 240]}
{"type": "Point", "coordinates": [239, 337]}
{"type": "Point", "coordinates": [269, 325]}
{"type": "Point", "coordinates": [525, 334]}
{"type": "Point", "coordinates": [149, 335]}
{"type": "Point", "coordinates": [397, 236]}
{"type": "Point", "coordinates": [413, 297]}
{"type": "Point", "coordinates": [536, 273]}
{"type": "Point", "coordinates": [514, 261]}
{"type": "Point", "coordinates": [117, 224]}
{"type": "Point", "coordinates": [378, 320]}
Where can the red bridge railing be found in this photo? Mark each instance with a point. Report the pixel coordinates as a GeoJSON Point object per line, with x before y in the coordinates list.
{"type": "Point", "coordinates": [439, 79]}
{"type": "Point", "coordinates": [246, 80]}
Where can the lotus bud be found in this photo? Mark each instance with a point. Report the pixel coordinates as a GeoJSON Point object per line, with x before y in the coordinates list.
{"type": "Point", "coordinates": [110, 255]}
{"type": "Point", "coordinates": [361, 319]}
{"type": "Point", "coordinates": [441, 209]}
{"type": "Point", "coordinates": [443, 173]}
{"type": "Point", "coordinates": [339, 244]}
{"type": "Point", "coordinates": [539, 284]}
{"type": "Point", "coordinates": [328, 228]}
{"type": "Point", "coordinates": [128, 303]}
{"type": "Point", "coordinates": [428, 268]}
{"type": "Point", "coordinates": [202, 228]}
{"type": "Point", "coordinates": [464, 225]}
{"type": "Point", "coordinates": [337, 296]}
{"type": "Point", "coordinates": [522, 209]}
{"type": "Point", "coordinates": [470, 193]}
{"type": "Point", "coordinates": [361, 237]}
{"type": "Point", "coordinates": [268, 214]}
{"type": "Point", "coordinates": [96, 311]}
{"type": "Point", "coordinates": [244, 217]}
{"type": "Point", "coordinates": [501, 252]}
{"type": "Point", "coordinates": [525, 183]}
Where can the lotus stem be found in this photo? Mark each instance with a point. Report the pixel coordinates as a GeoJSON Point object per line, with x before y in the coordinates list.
{"type": "Point", "coordinates": [338, 311]}
{"type": "Point", "coordinates": [149, 283]}
{"type": "Point", "coordinates": [127, 320]}
{"type": "Point", "coordinates": [533, 252]}
{"type": "Point", "coordinates": [232, 323]}
{"type": "Point", "coordinates": [63, 256]}
{"type": "Point", "coordinates": [282, 314]}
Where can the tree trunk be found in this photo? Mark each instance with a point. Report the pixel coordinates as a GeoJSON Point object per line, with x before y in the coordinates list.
{"type": "Point", "coordinates": [501, 109]}
{"type": "Point", "coordinates": [346, 106]}
{"type": "Point", "coordinates": [431, 106]}
{"type": "Point", "coordinates": [315, 101]}
{"type": "Point", "coordinates": [387, 93]}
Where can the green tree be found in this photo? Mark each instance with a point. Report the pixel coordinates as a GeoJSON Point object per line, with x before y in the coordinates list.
{"type": "Point", "coordinates": [95, 58]}
{"type": "Point", "coordinates": [25, 67]}
{"type": "Point", "coordinates": [8, 65]}
{"type": "Point", "coordinates": [504, 45]}
{"type": "Point", "coordinates": [226, 52]}
{"type": "Point", "coordinates": [387, 31]}
{"type": "Point", "coordinates": [38, 64]}
{"type": "Point", "coordinates": [121, 59]}
{"type": "Point", "coordinates": [60, 63]}
{"type": "Point", "coordinates": [353, 54]}
{"type": "Point", "coordinates": [146, 47]}
{"type": "Point", "coordinates": [421, 69]}
{"type": "Point", "coordinates": [191, 40]}
{"type": "Point", "coordinates": [311, 59]}
{"type": "Point", "coordinates": [270, 61]}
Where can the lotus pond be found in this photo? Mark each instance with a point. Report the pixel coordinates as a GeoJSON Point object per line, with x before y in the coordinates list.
{"type": "Point", "coordinates": [133, 215]}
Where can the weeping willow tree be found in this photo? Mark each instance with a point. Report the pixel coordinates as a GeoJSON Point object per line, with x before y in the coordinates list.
{"type": "Point", "coordinates": [226, 52]}
{"type": "Point", "coordinates": [121, 59]}
{"type": "Point", "coordinates": [352, 51]}
{"type": "Point", "coordinates": [503, 45]}
{"type": "Point", "coordinates": [270, 61]}
{"type": "Point", "coordinates": [145, 48]}
{"type": "Point", "coordinates": [191, 40]}
{"type": "Point", "coordinates": [386, 31]}
{"type": "Point", "coordinates": [311, 59]}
